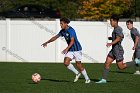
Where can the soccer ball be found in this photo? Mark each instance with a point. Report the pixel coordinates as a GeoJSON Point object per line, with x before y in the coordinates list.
{"type": "Point", "coordinates": [36, 77]}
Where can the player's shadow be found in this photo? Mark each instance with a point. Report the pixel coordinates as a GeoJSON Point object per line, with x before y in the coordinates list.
{"type": "Point", "coordinates": [55, 80]}
{"type": "Point", "coordinates": [121, 72]}
{"type": "Point", "coordinates": [46, 79]}
{"type": "Point", "coordinates": [94, 80]}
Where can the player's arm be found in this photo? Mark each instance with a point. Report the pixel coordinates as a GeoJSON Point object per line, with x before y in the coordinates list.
{"type": "Point", "coordinates": [136, 42]}
{"type": "Point", "coordinates": [69, 46]}
{"type": "Point", "coordinates": [49, 41]}
{"type": "Point", "coordinates": [118, 38]}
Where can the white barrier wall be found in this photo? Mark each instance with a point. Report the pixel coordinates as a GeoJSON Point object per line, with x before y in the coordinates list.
{"type": "Point", "coordinates": [20, 40]}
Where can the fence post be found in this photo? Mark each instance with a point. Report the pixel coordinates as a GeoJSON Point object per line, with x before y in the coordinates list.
{"type": "Point", "coordinates": [57, 43]}
{"type": "Point", "coordinates": [137, 19]}
{"type": "Point", "coordinates": [8, 34]}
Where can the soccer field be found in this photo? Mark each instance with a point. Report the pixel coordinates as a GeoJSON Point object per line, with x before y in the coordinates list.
{"type": "Point", "coordinates": [16, 78]}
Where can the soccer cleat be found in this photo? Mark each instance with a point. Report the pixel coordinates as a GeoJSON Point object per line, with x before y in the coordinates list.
{"type": "Point", "coordinates": [102, 81]}
{"type": "Point", "coordinates": [87, 81]}
{"type": "Point", "coordinates": [137, 73]}
{"type": "Point", "coordinates": [77, 77]}
{"type": "Point", "coordinates": [137, 61]}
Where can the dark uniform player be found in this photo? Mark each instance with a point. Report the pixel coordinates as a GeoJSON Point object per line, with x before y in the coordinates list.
{"type": "Point", "coordinates": [72, 51]}
{"type": "Point", "coordinates": [135, 35]}
{"type": "Point", "coordinates": [117, 51]}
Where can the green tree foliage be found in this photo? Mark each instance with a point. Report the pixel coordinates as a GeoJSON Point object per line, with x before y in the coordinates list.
{"type": "Point", "coordinates": [68, 8]}
{"type": "Point", "coordinates": [100, 9]}
{"type": "Point", "coordinates": [87, 9]}
{"type": "Point", "coordinates": [5, 5]}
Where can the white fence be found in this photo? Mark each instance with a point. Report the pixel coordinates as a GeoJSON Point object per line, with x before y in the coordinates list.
{"type": "Point", "coordinates": [20, 40]}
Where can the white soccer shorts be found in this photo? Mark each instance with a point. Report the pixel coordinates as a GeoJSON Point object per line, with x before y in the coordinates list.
{"type": "Point", "coordinates": [77, 55]}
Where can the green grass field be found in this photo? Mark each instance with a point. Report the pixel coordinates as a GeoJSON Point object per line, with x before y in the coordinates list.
{"type": "Point", "coordinates": [16, 78]}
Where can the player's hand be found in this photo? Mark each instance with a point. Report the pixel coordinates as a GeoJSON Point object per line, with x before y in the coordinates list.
{"type": "Point", "coordinates": [109, 44]}
{"type": "Point", "coordinates": [44, 44]}
{"type": "Point", "coordinates": [65, 51]}
{"type": "Point", "coordinates": [134, 48]}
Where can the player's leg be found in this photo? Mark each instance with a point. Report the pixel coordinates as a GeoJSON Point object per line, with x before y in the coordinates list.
{"type": "Point", "coordinates": [121, 65]}
{"type": "Point", "coordinates": [67, 59]}
{"type": "Point", "coordinates": [107, 64]}
{"type": "Point", "coordinates": [83, 71]}
{"type": "Point", "coordinates": [119, 60]}
{"type": "Point", "coordinates": [137, 72]}
{"type": "Point", "coordinates": [78, 57]}
{"type": "Point", "coordinates": [137, 55]}
{"type": "Point", "coordinates": [119, 52]}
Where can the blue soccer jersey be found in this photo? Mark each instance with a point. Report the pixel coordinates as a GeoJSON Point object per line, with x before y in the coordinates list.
{"type": "Point", "coordinates": [68, 34]}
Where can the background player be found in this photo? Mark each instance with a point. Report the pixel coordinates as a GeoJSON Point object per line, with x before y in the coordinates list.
{"type": "Point", "coordinates": [72, 51]}
{"type": "Point", "coordinates": [135, 35]}
{"type": "Point", "coordinates": [116, 53]}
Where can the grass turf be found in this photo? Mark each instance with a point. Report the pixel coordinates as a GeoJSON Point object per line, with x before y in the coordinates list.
{"type": "Point", "coordinates": [16, 78]}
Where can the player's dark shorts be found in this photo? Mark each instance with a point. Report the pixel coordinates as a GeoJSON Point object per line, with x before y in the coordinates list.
{"type": "Point", "coordinates": [137, 53]}
{"type": "Point", "coordinates": [116, 53]}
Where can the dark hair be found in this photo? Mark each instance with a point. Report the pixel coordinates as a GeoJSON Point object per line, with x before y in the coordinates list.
{"type": "Point", "coordinates": [115, 17]}
{"type": "Point", "coordinates": [65, 20]}
{"type": "Point", "coordinates": [129, 21]}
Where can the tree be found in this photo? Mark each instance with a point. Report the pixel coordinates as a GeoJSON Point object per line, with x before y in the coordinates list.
{"type": "Point", "coordinates": [5, 5]}
{"type": "Point", "coordinates": [87, 9]}
{"type": "Point", "coordinates": [137, 8]}
{"type": "Point", "coordinates": [68, 8]}
{"type": "Point", "coordinates": [100, 9]}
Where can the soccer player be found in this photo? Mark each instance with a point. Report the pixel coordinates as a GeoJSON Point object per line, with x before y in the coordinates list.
{"type": "Point", "coordinates": [116, 53]}
{"type": "Point", "coordinates": [72, 51]}
{"type": "Point", "coordinates": [135, 35]}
